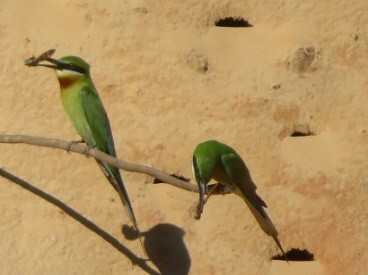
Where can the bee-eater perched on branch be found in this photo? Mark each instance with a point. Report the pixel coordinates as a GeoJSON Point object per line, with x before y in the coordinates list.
{"type": "Point", "coordinates": [84, 108]}
{"type": "Point", "coordinates": [218, 161]}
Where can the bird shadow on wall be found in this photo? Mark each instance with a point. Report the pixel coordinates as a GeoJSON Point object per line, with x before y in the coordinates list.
{"type": "Point", "coordinates": [164, 245]}
{"type": "Point", "coordinates": [81, 219]}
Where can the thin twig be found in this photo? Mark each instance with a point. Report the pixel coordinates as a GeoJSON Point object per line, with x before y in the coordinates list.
{"type": "Point", "coordinates": [82, 149]}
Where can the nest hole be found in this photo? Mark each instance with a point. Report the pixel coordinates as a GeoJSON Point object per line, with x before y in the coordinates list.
{"type": "Point", "coordinates": [301, 131]}
{"type": "Point", "coordinates": [233, 22]}
{"type": "Point", "coordinates": [296, 254]}
{"type": "Point", "coordinates": [301, 134]}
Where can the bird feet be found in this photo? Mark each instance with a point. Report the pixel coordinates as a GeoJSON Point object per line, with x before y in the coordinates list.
{"type": "Point", "coordinates": [224, 189]}
{"type": "Point", "coordinates": [89, 147]}
{"type": "Point", "coordinates": [70, 143]}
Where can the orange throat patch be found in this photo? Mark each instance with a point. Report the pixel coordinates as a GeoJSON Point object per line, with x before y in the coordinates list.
{"type": "Point", "coordinates": [67, 81]}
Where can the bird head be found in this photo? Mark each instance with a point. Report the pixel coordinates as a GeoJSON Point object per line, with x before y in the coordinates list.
{"type": "Point", "coordinates": [67, 66]}
{"type": "Point", "coordinates": [69, 69]}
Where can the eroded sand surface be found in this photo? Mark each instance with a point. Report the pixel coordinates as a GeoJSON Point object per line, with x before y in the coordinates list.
{"type": "Point", "coordinates": [170, 79]}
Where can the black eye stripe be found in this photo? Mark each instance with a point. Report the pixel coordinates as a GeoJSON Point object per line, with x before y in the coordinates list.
{"type": "Point", "coordinates": [73, 67]}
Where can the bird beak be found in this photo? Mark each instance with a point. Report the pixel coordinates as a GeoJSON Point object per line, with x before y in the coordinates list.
{"type": "Point", "coordinates": [56, 64]}
{"type": "Point", "coordinates": [201, 187]}
{"type": "Point", "coordinates": [46, 56]}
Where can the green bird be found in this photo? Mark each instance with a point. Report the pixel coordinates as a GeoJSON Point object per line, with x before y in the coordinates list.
{"type": "Point", "coordinates": [218, 161]}
{"type": "Point", "coordinates": [84, 108]}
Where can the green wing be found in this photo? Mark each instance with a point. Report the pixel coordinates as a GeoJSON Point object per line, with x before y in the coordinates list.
{"type": "Point", "coordinates": [100, 127]}
{"type": "Point", "coordinates": [239, 173]}
{"type": "Point", "coordinates": [97, 120]}
{"type": "Point", "coordinates": [237, 170]}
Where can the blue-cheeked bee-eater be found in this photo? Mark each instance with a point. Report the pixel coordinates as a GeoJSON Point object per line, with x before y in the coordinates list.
{"type": "Point", "coordinates": [218, 161]}
{"type": "Point", "coordinates": [87, 113]}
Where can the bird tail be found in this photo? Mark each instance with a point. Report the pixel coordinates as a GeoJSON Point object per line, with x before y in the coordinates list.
{"type": "Point", "coordinates": [256, 204]}
{"type": "Point", "coordinates": [114, 178]}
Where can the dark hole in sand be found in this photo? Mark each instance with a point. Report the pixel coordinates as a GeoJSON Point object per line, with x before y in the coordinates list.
{"type": "Point", "coordinates": [302, 130]}
{"type": "Point", "coordinates": [301, 134]}
{"type": "Point", "coordinates": [296, 254]}
{"type": "Point", "coordinates": [231, 22]}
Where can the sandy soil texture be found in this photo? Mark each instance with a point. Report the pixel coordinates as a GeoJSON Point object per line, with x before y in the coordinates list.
{"type": "Point", "coordinates": [288, 91]}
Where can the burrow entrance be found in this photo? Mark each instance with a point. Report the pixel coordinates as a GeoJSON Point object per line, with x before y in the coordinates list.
{"type": "Point", "coordinates": [233, 22]}
{"type": "Point", "coordinates": [296, 254]}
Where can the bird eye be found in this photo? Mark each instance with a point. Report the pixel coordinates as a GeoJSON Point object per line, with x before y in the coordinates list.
{"type": "Point", "coordinates": [73, 67]}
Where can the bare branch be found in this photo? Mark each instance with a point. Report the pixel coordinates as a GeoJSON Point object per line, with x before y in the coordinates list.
{"type": "Point", "coordinates": [82, 149]}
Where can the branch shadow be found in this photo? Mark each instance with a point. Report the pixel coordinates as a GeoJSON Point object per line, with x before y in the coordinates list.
{"type": "Point", "coordinates": [165, 247]}
{"type": "Point", "coordinates": [81, 219]}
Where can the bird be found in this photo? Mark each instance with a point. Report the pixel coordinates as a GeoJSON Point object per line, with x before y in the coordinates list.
{"type": "Point", "coordinates": [215, 160]}
{"type": "Point", "coordinates": [84, 107]}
